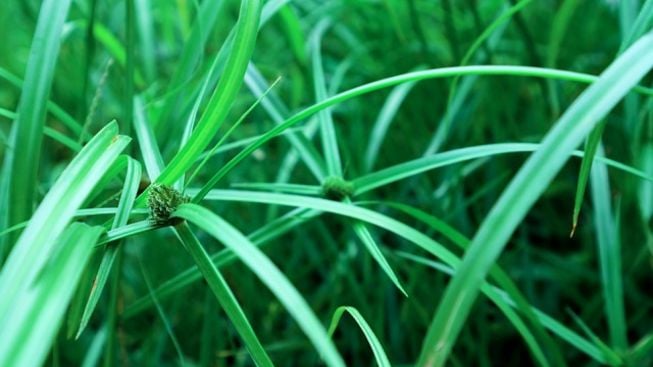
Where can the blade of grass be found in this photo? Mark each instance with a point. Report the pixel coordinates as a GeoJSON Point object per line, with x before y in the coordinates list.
{"type": "Point", "coordinates": [146, 141]}
{"type": "Point", "coordinates": [294, 33]}
{"type": "Point", "coordinates": [373, 248]}
{"type": "Point", "coordinates": [389, 224]}
{"type": "Point", "coordinates": [268, 273]}
{"type": "Point", "coordinates": [532, 331]}
{"type": "Point", "coordinates": [224, 95]}
{"type": "Point", "coordinates": [641, 352]}
{"type": "Point", "coordinates": [281, 187]}
{"type": "Point", "coordinates": [164, 319]}
{"type": "Point", "coordinates": [327, 130]}
{"type": "Point", "coordinates": [278, 112]}
{"type": "Point", "coordinates": [595, 339]}
{"type": "Point", "coordinates": [38, 310]}
{"type": "Point", "coordinates": [591, 145]}
{"type": "Point", "coordinates": [383, 121]}
{"type": "Point", "coordinates": [637, 30]}
{"type": "Point", "coordinates": [388, 82]}
{"type": "Point", "coordinates": [270, 8]}
{"type": "Point", "coordinates": [561, 22]}
{"type": "Point", "coordinates": [609, 249]}
{"type": "Point", "coordinates": [125, 205]}
{"type": "Point", "coordinates": [403, 170]}
{"type": "Point", "coordinates": [127, 231]}
{"type": "Point", "coordinates": [93, 353]}
{"type": "Point", "coordinates": [146, 40]}
{"type": "Point", "coordinates": [21, 162]}
{"type": "Point", "coordinates": [457, 95]}
{"type": "Point", "coordinates": [529, 183]}
{"type": "Point", "coordinates": [261, 236]}
{"type": "Point", "coordinates": [223, 294]}
{"type": "Point", "coordinates": [504, 302]}
{"type": "Point", "coordinates": [116, 49]}
{"type": "Point", "coordinates": [75, 183]}
{"type": "Point", "coordinates": [229, 132]}
{"type": "Point", "coordinates": [645, 189]}
{"type": "Point", "coordinates": [191, 55]}
{"type": "Point", "coordinates": [372, 340]}
{"type": "Point", "coordinates": [331, 150]}
{"type": "Point", "coordinates": [48, 131]}
{"type": "Point", "coordinates": [641, 25]}
{"type": "Point", "coordinates": [128, 96]}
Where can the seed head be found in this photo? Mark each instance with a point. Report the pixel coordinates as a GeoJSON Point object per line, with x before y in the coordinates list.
{"type": "Point", "coordinates": [163, 200]}
{"type": "Point", "coordinates": [336, 188]}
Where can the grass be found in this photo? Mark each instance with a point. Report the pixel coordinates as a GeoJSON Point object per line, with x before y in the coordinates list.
{"type": "Point", "coordinates": [416, 166]}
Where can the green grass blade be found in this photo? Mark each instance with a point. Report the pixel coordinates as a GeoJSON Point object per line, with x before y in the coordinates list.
{"type": "Point", "coordinates": [327, 130]}
{"type": "Point", "coordinates": [268, 273]}
{"type": "Point", "coordinates": [529, 183]}
{"type": "Point", "coordinates": [395, 227]}
{"type": "Point", "coordinates": [125, 205]}
{"type": "Point", "coordinates": [48, 131]}
{"type": "Point", "coordinates": [94, 352]}
{"type": "Point", "coordinates": [128, 195]}
{"type": "Point", "coordinates": [270, 8]}
{"type": "Point", "coordinates": [458, 94]}
{"type": "Point", "coordinates": [146, 40]}
{"type": "Point", "coordinates": [191, 55]}
{"type": "Point", "coordinates": [379, 353]}
{"type": "Point", "coordinates": [492, 293]}
{"type": "Point", "coordinates": [128, 231]}
{"type": "Point", "coordinates": [56, 210]}
{"type": "Point", "coordinates": [229, 132]}
{"type": "Point", "coordinates": [21, 162]}
{"type": "Point", "coordinates": [504, 302]}
{"type": "Point", "coordinates": [298, 189]}
{"type": "Point", "coordinates": [389, 82]}
{"type": "Point", "coordinates": [439, 225]}
{"type": "Point", "coordinates": [294, 33]}
{"type": "Point", "coordinates": [263, 235]}
{"type": "Point", "coordinates": [147, 142]}
{"type": "Point", "coordinates": [642, 352]}
{"type": "Point", "coordinates": [383, 121]}
{"type": "Point", "coordinates": [128, 96]}
{"type": "Point", "coordinates": [54, 109]}
{"type": "Point", "coordinates": [594, 338]}
{"type": "Point", "coordinates": [591, 145]}
{"type": "Point", "coordinates": [532, 331]}
{"type": "Point", "coordinates": [373, 248]}
{"type": "Point", "coordinates": [642, 24]}
{"type": "Point", "coordinates": [223, 293]}
{"type": "Point", "coordinates": [166, 323]}
{"type": "Point", "coordinates": [37, 312]}
{"type": "Point", "coordinates": [609, 249]}
{"type": "Point", "coordinates": [278, 112]}
{"type": "Point", "coordinates": [559, 29]}
{"type": "Point", "coordinates": [403, 170]}
{"type": "Point", "coordinates": [116, 49]}
{"type": "Point", "coordinates": [645, 189]}
{"type": "Point", "coordinates": [224, 95]}
{"type": "Point", "coordinates": [189, 126]}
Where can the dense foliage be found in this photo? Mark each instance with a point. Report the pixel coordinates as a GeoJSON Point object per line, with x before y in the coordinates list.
{"type": "Point", "coordinates": [359, 182]}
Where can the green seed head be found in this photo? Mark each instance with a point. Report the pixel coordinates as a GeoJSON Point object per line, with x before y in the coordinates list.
{"type": "Point", "coordinates": [163, 200]}
{"type": "Point", "coordinates": [336, 188]}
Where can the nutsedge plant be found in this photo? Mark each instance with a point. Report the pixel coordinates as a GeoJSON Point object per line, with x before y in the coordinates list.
{"type": "Point", "coordinates": [250, 182]}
